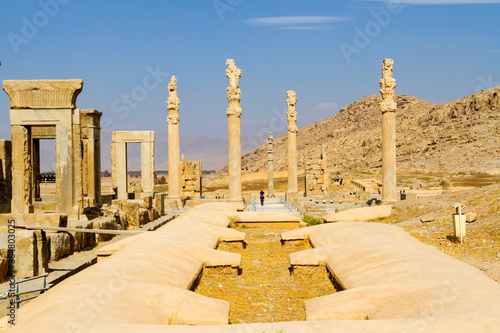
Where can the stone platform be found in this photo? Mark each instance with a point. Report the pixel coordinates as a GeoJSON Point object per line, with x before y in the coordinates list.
{"type": "Point", "coordinates": [392, 283]}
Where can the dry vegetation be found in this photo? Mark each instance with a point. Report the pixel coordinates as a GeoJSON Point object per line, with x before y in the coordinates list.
{"type": "Point", "coordinates": [265, 291]}
{"type": "Point", "coordinates": [481, 247]}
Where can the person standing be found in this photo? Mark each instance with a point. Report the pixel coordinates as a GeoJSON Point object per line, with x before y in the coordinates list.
{"type": "Point", "coordinates": [262, 197]}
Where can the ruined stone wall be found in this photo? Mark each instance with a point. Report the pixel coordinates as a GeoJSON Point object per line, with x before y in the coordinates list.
{"type": "Point", "coordinates": [190, 177]}
{"type": "Point", "coordinates": [5, 175]}
{"type": "Point", "coordinates": [317, 177]}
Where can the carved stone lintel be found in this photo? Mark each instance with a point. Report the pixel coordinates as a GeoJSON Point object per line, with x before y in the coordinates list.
{"type": "Point", "coordinates": [232, 111]}
{"type": "Point", "coordinates": [43, 94]}
{"type": "Point", "coordinates": [173, 120]}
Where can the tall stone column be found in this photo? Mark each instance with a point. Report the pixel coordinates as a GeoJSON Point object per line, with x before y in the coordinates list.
{"type": "Point", "coordinates": [388, 107]}
{"type": "Point", "coordinates": [233, 73]}
{"type": "Point", "coordinates": [292, 141]}
{"type": "Point", "coordinates": [174, 177]}
{"type": "Point", "coordinates": [270, 163]}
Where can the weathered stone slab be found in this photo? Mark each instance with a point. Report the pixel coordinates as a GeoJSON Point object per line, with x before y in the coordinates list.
{"type": "Point", "coordinates": [143, 216]}
{"type": "Point", "coordinates": [147, 202]}
{"type": "Point", "coordinates": [360, 214]}
{"type": "Point", "coordinates": [59, 245]}
{"type": "Point", "coordinates": [131, 210]}
{"type": "Point", "coordinates": [48, 94]}
{"type": "Point", "coordinates": [159, 203]}
{"type": "Point", "coordinates": [26, 254]}
{"type": "Point", "coordinates": [80, 240]}
{"type": "Point", "coordinates": [43, 219]}
{"type": "Point", "coordinates": [4, 261]}
{"type": "Point", "coordinates": [43, 256]}
{"type": "Point", "coordinates": [104, 223]}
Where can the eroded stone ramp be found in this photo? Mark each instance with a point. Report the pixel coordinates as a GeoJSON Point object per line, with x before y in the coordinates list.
{"type": "Point", "coordinates": [390, 278]}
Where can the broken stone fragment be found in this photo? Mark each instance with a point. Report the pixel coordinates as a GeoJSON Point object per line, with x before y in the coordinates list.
{"type": "Point", "coordinates": [470, 217]}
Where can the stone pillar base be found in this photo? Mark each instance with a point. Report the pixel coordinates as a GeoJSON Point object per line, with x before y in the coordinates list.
{"type": "Point", "coordinates": [291, 196]}
{"type": "Point", "coordinates": [239, 204]}
{"type": "Point", "coordinates": [173, 202]}
{"type": "Point", "coordinates": [388, 202]}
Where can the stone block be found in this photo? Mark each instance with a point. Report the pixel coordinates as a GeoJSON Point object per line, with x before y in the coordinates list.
{"type": "Point", "coordinates": [152, 214]}
{"type": "Point", "coordinates": [42, 246]}
{"type": "Point", "coordinates": [363, 196]}
{"type": "Point", "coordinates": [121, 221]}
{"type": "Point", "coordinates": [80, 240]}
{"type": "Point", "coordinates": [143, 217]}
{"type": "Point", "coordinates": [104, 223]}
{"type": "Point", "coordinates": [147, 202]}
{"type": "Point", "coordinates": [4, 262]}
{"type": "Point", "coordinates": [117, 203]}
{"type": "Point", "coordinates": [291, 196]}
{"type": "Point", "coordinates": [42, 94]}
{"type": "Point", "coordinates": [159, 203]}
{"type": "Point", "coordinates": [247, 198]}
{"type": "Point", "coordinates": [26, 254]}
{"type": "Point", "coordinates": [44, 219]}
{"type": "Point", "coordinates": [131, 210]}
{"type": "Point", "coordinates": [470, 217]}
{"type": "Point", "coordinates": [59, 244]}
{"type": "Point", "coordinates": [171, 203]}
{"type": "Point", "coordinates": [31, 254]}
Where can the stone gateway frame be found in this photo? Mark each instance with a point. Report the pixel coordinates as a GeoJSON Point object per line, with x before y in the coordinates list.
{"type": "Point", "coordinates": [45, 109]}
{"type": "Point", "coordinates": [119, 161]}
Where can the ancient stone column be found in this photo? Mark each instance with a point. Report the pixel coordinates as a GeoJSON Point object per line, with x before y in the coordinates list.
{"type": "Point", "coordinates": [270, 163]}
{"type": "Point", "coordinates": [292, 141]}
{"type": "Point", "coordinates": [174, 178]}
{"type": "Point", "coordinates": [388, 107]}
{"type": "Point", "coordinates": [233, 73]}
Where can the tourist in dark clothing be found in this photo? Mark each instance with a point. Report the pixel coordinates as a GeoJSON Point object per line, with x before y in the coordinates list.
{"type": "Point", "coordinates": [261, 198]}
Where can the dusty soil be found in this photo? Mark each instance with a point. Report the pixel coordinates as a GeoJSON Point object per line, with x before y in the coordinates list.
{"type": "Point", "coordinates": [481, 246]}
{"type": "Point", "coordinates": [265, 291]}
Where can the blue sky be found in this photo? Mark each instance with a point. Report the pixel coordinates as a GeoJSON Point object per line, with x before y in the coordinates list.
{"type": "Point", "coordinates": [329, 52]}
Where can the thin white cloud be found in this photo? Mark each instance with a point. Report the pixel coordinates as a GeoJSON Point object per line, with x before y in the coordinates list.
{"type": "Point", "coordinates": [295, 22]}
{"type": "Point", "coordinates": [305, 27]}
{"type": "Point", "coordinates": [324, 107]}
{"type": "Point", "coordinates": [442, 2]}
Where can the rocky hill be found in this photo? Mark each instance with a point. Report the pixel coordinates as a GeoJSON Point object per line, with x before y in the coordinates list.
{"type": "Point", "coordinates": [463, 135]}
